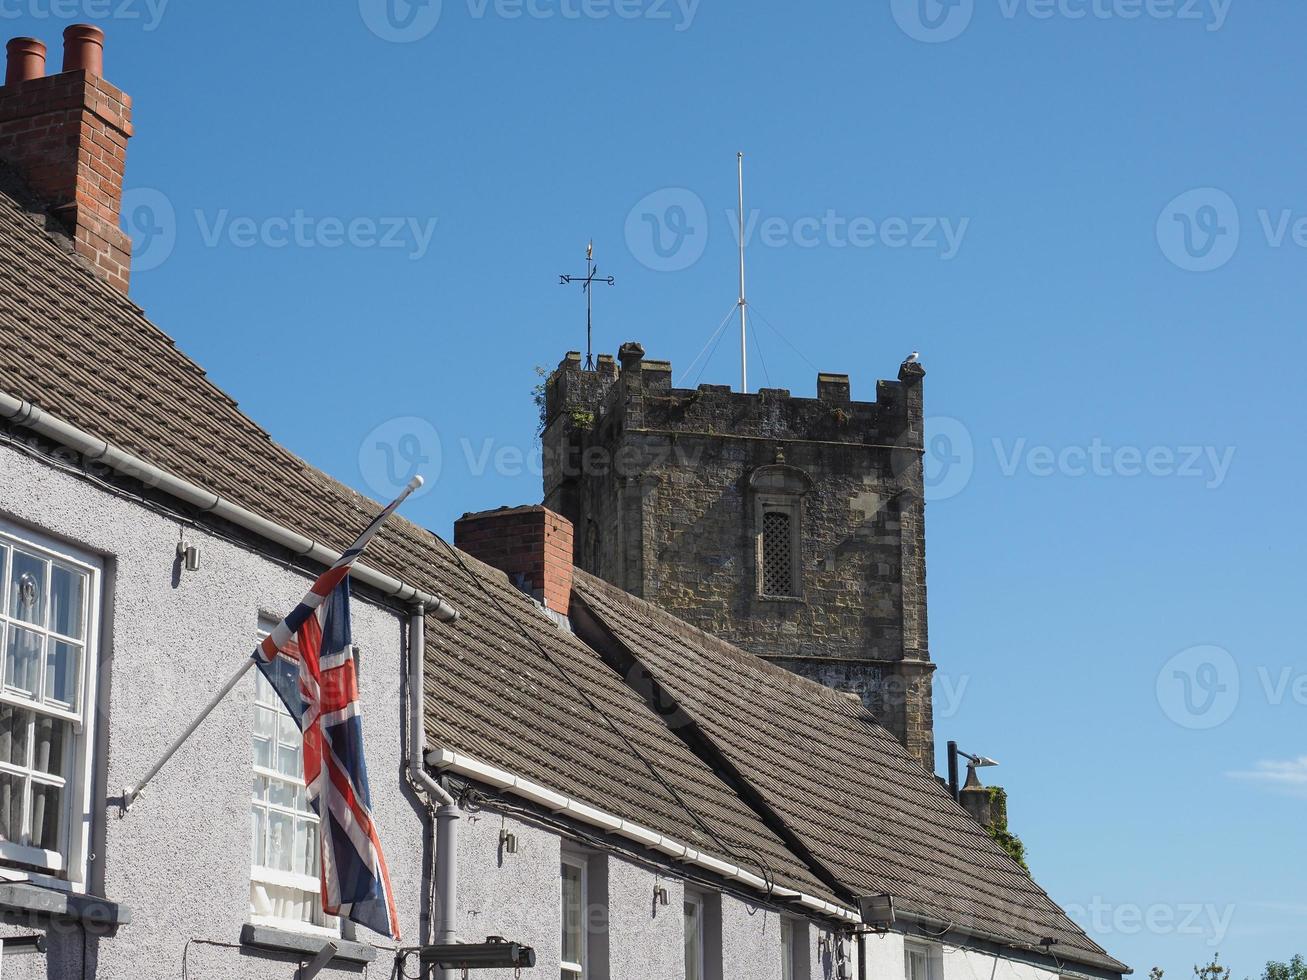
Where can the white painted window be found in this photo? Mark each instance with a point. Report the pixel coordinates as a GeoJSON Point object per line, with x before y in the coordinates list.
{"type": "Point", "coordinates": [787, 949]}
{"type": "Point", "coordinates": [694, 960]}
{"type": "Point", "coordinates": [49, 627]}
{"type": "Point", "coordinates": [572, 902]}
{"type": "Point", "coordinates": [285, 868]}
{"type": "Point", "coordinates": [922, 961]}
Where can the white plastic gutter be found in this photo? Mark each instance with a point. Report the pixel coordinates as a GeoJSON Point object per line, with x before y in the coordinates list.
{"type": "Point", "coordinates": [464, 765]}
{"type": "Point", "coordinates": [96, 450]}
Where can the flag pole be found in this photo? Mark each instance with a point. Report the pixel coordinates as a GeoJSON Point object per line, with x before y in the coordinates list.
{"type": "Point", "coordinates": [310, 601]}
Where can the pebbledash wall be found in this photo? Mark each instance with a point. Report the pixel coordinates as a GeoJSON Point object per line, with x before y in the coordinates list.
{"type": "Point", "coordinates": [639, 937]}
{"type": "Point", "coordinates": [180, 860]}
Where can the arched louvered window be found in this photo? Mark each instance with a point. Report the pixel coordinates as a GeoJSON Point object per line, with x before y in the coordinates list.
{"type": "Point", "coordinates": [778, 492]}
{"type": "Point", "coordinates": [777, 554]}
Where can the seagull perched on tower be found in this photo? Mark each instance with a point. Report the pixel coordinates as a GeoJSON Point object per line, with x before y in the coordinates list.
{"type": "Point", "coordinates": [912, 358]}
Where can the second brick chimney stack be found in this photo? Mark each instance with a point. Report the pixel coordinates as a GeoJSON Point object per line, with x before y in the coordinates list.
{"type": "Point", "coordinates": [532, 545]}
{"type": "Point", "coordinates": [66, 136]}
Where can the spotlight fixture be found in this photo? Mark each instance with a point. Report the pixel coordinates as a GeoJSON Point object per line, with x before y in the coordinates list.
{"type": "Point", "coordinates": [495, 953]}
{"type": "Point", "coordinates": [189, 555]}
{"type": "Point", "coordinates": [660, 895]}
{"type": "Point", "coordinates": [877, 910]}
{"type": "Point", "coordinates": [508, 842]}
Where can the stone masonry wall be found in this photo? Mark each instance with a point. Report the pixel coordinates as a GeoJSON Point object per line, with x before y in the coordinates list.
{"type": "Point", "coordinates": [661, 483]}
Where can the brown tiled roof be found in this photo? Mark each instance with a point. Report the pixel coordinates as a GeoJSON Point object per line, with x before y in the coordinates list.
{"type": "Point", "coordinates": [85, 353]}
{"type": "Point", "coordinates": [855, 798]}
{"type": "Point", "coordinates": [503, 683]}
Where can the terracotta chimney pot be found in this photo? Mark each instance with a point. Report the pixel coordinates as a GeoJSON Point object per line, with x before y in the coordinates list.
{"type": "Point", "coordinates": [26, 60]}
{"type": "Point", "coordinates": [84, 49]}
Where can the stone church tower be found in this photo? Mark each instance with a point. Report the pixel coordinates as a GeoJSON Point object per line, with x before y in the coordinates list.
{"type": "Point", "coordinates": [792, 527]}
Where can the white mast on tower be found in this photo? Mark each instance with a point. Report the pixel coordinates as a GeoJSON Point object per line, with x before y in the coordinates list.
{"type": "Point", "coordinates": [744, 348]}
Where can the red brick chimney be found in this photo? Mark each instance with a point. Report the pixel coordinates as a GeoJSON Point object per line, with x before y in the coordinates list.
{"type": "Point", "coordinates": [66, 135]}
{"type": "Point", "coordinates": [532, 545]}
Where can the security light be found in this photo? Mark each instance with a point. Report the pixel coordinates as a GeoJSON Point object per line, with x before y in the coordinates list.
{"type": "Point", "coordinates": [495, 952]}
{"type": "Point", "coordinates": [877, 910]}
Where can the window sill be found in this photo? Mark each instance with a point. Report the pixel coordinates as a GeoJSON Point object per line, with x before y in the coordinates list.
{"type": "Point", "coordinates": [18, 896]}
{"type": "Point", "coordinates": [285, 941]}
{"type": "Point", "coordinates": [764, 597]}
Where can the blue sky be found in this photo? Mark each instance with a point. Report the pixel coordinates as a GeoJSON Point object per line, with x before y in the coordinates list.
{"type": "Point", "coordinates": [1084, 214]}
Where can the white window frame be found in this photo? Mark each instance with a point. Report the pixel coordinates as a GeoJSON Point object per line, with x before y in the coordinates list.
{"type": "Point", "coordinates": [260, 874]}
{"type": "Point", "coordinates": [67, 872]}
{"type": "Point", "coordinates": [578, 863]}
{"type": "Point", "coordinates": [695, 900]}
{"type": "Point", "coordinates": [787, 947]}
{"type": "Point", "coordinates": [931, 954]}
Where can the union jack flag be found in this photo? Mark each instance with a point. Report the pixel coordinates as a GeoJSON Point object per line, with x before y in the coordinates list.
{"type": "Point", "coordinates": [308, 659]}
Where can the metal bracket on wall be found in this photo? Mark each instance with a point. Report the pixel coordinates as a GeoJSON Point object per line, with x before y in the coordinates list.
{"type": "Point", "coordinates": [316, 965]}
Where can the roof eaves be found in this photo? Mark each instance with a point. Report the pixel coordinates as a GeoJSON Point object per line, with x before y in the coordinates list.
{"type": "Point", "coordinates": [447, 760]}
{"type": "Point", "coordinates": [26, 414]}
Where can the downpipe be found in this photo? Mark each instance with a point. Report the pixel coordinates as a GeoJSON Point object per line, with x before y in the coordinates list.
{"type": "Point", "coordinates": [438, 799]}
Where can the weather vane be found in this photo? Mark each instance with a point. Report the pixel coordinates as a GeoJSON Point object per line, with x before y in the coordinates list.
{"type": "Point", "coordinates": [591, 277]}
